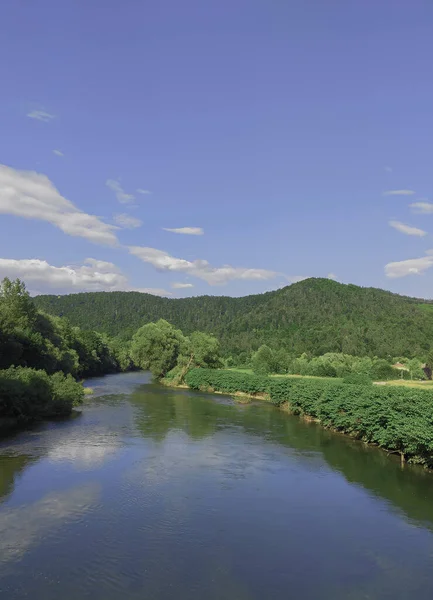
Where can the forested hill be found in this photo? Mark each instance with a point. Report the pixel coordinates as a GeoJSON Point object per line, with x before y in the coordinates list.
{"type": "Point", "coordinates": [314, 315]}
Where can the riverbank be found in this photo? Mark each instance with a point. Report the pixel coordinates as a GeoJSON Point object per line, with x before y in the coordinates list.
{"type": "Point", "coordinates": [28, 395]}
{"type": "Point", "coordinates": [397, 419]}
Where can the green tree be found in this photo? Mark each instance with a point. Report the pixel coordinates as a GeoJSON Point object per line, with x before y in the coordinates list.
{"type": "Point", "coordinates": [16, 306]}
{"type": "Point", "coordinates": [156, 347]}
{"type": "Point", "coordinates": [282, 361]}
{"type": "Point", "coordinates": [415, 368]}
{"type": "Point", "coordinates": [263, 361]}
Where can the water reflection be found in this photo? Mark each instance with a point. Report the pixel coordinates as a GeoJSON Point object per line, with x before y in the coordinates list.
{"type": "Point", "coordinates": [23, 526]}
{"type": "Point", "coordinates": [11, 467]}
{"type": "Point", "coordinates": [408, 488]}
{"type": "Point", "coordinates": [157, 493]}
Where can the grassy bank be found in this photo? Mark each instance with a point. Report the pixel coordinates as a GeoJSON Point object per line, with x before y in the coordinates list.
{"type": "Point", "coordinates": [399, 382]}
{"type": "Point", "coordinates": [395, 418]}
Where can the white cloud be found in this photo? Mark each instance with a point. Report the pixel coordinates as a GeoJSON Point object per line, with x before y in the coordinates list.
{"type": "Point", "coordinates": [153, 291]}
{"type": "Point", "coordinates": [423, 208]}
{"type": "Point", "coordinates": [41, 115]}
{"type": "Point", "coordinates": [407, 229]}
{"type": "Point", "coordinates": [58, 153]}
{"type": "Point", "coordinates": [186, 230]}
{"type": "Point", "coordinates": [141, 191]}
{"type": "Point", "coordinates": [399, 193]}
{"type": "Point", "coordinates": [199, 268]}
{"type": "Point", "coordinates": [413, 266]}
{"type": "Point", "coordinates": [33, 196]}
{"type": "Point", "coordinates": [121, 195]}
{"type": "Point", "coordinates": [93, 275]}
{"type": "Point", "coordinates": [181, 286]}
{"type": "Point", "coordinates": [388, 169]}
{"type": "Point", "coordinates": [332, 276]}
{"type": "Point", "coordinates": [127, 222]}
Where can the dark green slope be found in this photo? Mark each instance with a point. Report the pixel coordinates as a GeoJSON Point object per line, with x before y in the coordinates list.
{"type": "Point", "coordinates": [314, 315]}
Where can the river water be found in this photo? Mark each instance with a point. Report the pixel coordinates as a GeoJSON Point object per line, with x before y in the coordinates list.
{"type": "Point", "coordinates": [150, 493]}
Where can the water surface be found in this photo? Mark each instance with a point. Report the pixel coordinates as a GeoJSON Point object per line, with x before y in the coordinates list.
{"type": "Point", "coordinates": [154, 493]}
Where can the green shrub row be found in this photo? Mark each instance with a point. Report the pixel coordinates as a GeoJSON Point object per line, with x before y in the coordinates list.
{"type": "Point", "coordinates": [396, 418]}
{"type": "Point", "coordinates": [226, 381]}
{"type": "Point", "coordinates": [26, 394]}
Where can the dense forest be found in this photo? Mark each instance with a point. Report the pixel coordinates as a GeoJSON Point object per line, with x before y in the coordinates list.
{"type": "Point", "coordinates": [314, 316]}
{"type": "Point", "coordinates": [43, 357]}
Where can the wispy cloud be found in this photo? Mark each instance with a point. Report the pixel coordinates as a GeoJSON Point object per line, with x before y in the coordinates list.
{"type": "Point", "coordinates": [120, 193]}
{"type": "Point", "coordinates": [399, 193]}
{"type": "Point", "coordinates": [412, 266]}
{"type": "Point", "coordinates": [141, 191]}
{"type": "Point", "coordinates": [407, 229]}
{"type": "Point", "coordinates": [199, 268]}
{"type": "Point", "coordinates": [423, 208]}
{"type": "Point", "coordinates": [181, 286]}
{"type": "Point", "coordinates": [186, 230]}
{"type": "Point", "coordinates": [58, 153]}
{"type": "Point", "coordinates": [41, 115]}
{"type": "Point", "coordinates": [33, 196]}
{"type": "Point", "coordinates": [126, 221]}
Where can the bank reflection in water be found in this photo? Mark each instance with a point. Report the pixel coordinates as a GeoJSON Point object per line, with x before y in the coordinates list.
{"type": "Point", "coordinates": [152, 490]}
{"type": "Point", "coordinates": [408, 488]}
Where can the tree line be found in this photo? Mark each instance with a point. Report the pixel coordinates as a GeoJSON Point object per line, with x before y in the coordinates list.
{"type": "Point", "coordinates": [333, 364]}
{"type": "Point", "coordinates": [43, 357]}
{"type": "Point", "coordinates": [314, 316]}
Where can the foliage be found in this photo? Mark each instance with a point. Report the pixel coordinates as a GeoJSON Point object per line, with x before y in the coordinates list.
{"type": "Point", "coordinates": [395, 418]}
{"type": "Point", "coordinates": [227, 381]}
{"type": "Point", "coordinates": [335, 364]}
{"type": "Point", "coordinates": [29, 393]}
{"type": "Point", "coordinates": [357, 379]}
{"type": "Point", "coordinates": [157, 346]}
{"type": "Point", "coordinates": [316, 316]}
{"type": "Point", "coordinates": [263, 361]}
{"type": "Point", "coordinates": [41, 356]}
{"type": "Point", "coordinates": [415, 368]}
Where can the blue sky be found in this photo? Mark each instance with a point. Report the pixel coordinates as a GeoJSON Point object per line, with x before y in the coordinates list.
{"type": "Point", "coordinates": [284, 139]}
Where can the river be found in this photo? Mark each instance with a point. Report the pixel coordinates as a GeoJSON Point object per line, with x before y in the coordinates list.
{"type": "Point", "coordinates": [155, 493]}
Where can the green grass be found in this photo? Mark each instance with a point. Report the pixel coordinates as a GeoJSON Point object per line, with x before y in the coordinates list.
{"type": "Point", "coordinates": [250, 372]}
{"type": "Point", "coordinates": [425, 385]}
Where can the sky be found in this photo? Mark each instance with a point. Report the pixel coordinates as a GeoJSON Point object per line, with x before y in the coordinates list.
{"type": "Point", "coordinates": [221, 147]}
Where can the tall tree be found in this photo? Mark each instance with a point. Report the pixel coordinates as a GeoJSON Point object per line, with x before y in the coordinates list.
{"type": "Point", "coordinates": [263, 361]}
{"type": "Point", "coordinates": [16, 307]}
{"type": "Point", "coordinates": [156, 347]}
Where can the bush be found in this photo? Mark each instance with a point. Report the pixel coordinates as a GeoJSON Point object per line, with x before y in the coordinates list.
{"type": "Point", "coordinates": [396, 418]}
{"type": "Point", "coordinates": [27, 394]}
{"type": "Point", "coordinates": [357, 379]}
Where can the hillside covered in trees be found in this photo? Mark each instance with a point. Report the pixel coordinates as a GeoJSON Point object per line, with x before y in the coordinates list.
{"type": "Point", "coordinates": [314, 316]}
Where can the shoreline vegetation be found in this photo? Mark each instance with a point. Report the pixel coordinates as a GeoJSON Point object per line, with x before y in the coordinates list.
{"type": "Point", "coordinates": [399, 420]}
{"type": "Point", "coordinates": [44, 359]}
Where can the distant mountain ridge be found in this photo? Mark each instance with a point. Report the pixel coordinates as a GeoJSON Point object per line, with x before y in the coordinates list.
{"type": "Point", "coordinates": [314, 316]}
